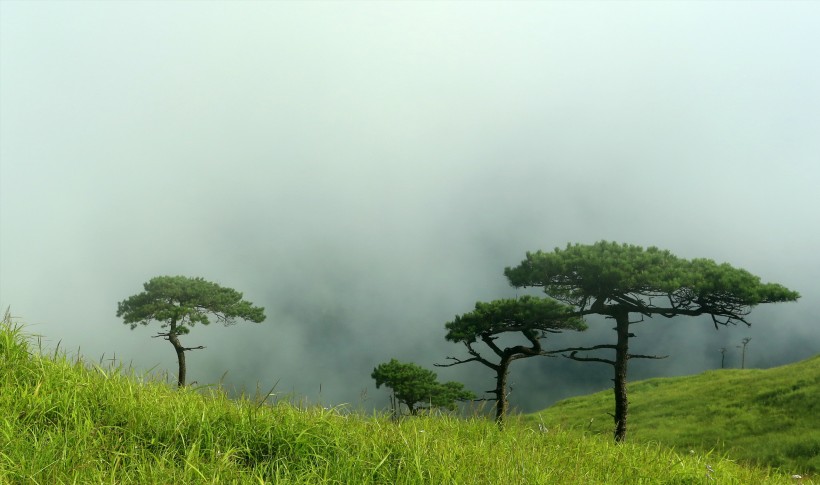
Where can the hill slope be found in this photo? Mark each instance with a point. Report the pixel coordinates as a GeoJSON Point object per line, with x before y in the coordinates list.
{"type": "Point", "coordinates": [66, 421]}
{"type": "Point", "coordinates": [770, 417]}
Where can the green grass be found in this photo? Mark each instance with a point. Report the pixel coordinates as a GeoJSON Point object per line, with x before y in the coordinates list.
{"type": "Point", "coordinates": [67, 421]}
{"type": "Point", "coordinates": [769, 417]}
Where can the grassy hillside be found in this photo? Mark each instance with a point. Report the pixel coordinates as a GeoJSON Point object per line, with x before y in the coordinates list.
{"type": "Point", "coordinates": [63, 421]}
{"type": "Point", "coordinates": [770, 417]}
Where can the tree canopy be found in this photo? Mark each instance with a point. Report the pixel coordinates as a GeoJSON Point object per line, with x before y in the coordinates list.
{"type": "Point", "coordinates": [617, 280]}
{"type": "Point", "coordinates": [179, 302]}
{"type": "Point", "coordinates": [530, 317]}
{"type": "Point", "coordinates": [414, 385]}
{"type": "Point", "coordinates": [648, 281]}
{"type": "Point", "coordinates": [527, 314]}
{"type": "Point", "coordinates": [186, 301]}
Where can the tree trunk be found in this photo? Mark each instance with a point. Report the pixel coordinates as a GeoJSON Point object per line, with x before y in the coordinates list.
{"type": "Point", "coordinates": [501, 391]}
{"type": "Point", "coordinates": [621, 358]}
{"type": "Point", "coordinates": [172, 337]}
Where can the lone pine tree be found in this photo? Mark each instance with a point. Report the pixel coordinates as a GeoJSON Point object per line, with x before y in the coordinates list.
{"type": "Point", "coordinates": [528, 317]}
{"type": "Point", "coordinates": [619, 280]}
{"type": "Point", "coordinates": [179, 302]}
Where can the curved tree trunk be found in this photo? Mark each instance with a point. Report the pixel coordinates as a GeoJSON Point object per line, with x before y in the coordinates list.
{"type": "Point", "coordinates": [621, 358]}
{"type": "Point", "coordinates": [501, 391]}
{"type": "Point", "coordinates": [180, 350]}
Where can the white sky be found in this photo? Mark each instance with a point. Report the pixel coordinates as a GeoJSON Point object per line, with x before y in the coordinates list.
{"type": "Point", "coordinates": [366, 170]}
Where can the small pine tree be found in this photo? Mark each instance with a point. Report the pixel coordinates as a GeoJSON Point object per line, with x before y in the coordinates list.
{"type": "Point", "coordinates": [179, 302]}
{"type": "Point", "coordinates": [415, 386]}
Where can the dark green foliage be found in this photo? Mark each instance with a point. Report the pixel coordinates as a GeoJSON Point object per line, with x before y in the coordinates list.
{"type": "Point", "coordinates": [525, 314]}
{"type": "Point", "coordinates": [186, 301]}
{"type": "Point", "coordinates": [650, 281]}
{"type": "Point", "coordinates": [413, 385]}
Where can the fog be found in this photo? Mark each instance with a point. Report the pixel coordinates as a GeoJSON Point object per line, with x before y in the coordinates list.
{"type": "Point", "coordinates": [365, 171]}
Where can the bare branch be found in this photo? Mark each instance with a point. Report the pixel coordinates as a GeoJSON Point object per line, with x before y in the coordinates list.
{"type": "Point", "coordinates": [193, 348]}
{"type": "Point", "coordinates": [638, 321]}
{"type": "Point", "coordinates": [490, 341]}
{"type": "Point", "coordinates": [588, 359]}
{"type": "Point", "coordinates": [478, 356]}
{"type": "Point", "coordinates": [582, 349]}
{"type": "Point", "coordinates": [640, 356]}
{"type": "Point", "coordinates": [516, 353]}
{"type": "Point", "coordinates": [457, 361]}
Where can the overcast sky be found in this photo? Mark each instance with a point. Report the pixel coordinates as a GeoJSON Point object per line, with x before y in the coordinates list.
{"type": "Point", "coordinates": [365, 171]}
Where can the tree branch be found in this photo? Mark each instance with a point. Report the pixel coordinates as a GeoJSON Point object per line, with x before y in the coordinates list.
{"type": "Point", "coordinates": [724, 312]}
{"type": "Point", "coordinates": [582, 349]}
{"type": "Point", "coordinates": [193, 348]}
{"type": "Point", "coordinates": [588, 359]}
{"type": "Point", "coordinates": [475, 358]}
{"type": "Point", "coordinates": [490, 341]}
{"type": "Point", "coordinates": [640, 356]}
{"type": "Point", "coordinates": [536, 343]}
{"type": "Point", "coordinates": [167, 336]}
{"type": "Point", "coordinates": [637, 321]}
{"type": "Point", "coordinates": [457, 361]}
